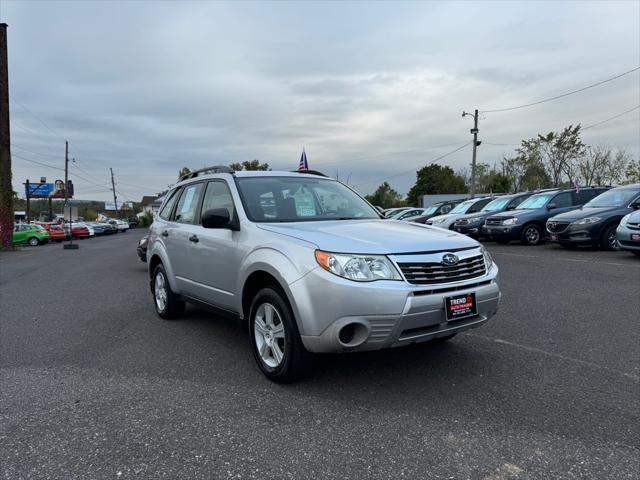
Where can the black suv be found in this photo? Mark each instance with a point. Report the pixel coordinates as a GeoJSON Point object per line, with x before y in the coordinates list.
{"type": "Point", "coordinates": [595, 223]}
{"type": "Point", "coordinates": [527, 223]}
{"type": "Point", "coordinates": [439, 208]}
{"type": "Point", "coordinates": [471, 223]}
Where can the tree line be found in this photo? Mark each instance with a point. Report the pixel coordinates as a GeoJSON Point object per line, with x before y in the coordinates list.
{"type": "Point", "coordinates": [557, 159]}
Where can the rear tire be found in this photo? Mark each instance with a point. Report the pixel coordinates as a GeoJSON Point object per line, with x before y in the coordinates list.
{"type": "Point", "coordinates": [275, 339]}
{"type": "Point", "coordinates": [531, 235]}
{"type": "Point", "coordinates": [34, 242]}
{"type": "Point", "coordinates": [168, 304]}
{"type": "Point", "coordinates": [608, 241]}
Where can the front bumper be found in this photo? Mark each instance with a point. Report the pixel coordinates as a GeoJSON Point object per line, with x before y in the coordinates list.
{"type": "Point", "coordinates": [502, 232]}
{"type": "Point", "coordinates": [625, 239]}
{"type": "Point", "coordinates": [387, 313]}
{"type": "Point", "coordinates": [473, 230]}
{"type": "Point", "coordinates": [576, 235]}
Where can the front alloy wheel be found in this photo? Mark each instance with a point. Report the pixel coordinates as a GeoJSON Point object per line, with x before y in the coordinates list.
{"type": "Point", "coordinates": [609, 239]}
{"type": "Point", "coordinates": [268, 331]}
{"type": "Point", "coordinates": [275, 339]}
{"type": "Point", "coordinates": [531, 235]}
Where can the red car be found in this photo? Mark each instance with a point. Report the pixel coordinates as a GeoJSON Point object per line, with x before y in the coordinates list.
{"type": "Point", "coordinates": [56, 233]}
{"type": "Point", "coordinates": [78, 232]}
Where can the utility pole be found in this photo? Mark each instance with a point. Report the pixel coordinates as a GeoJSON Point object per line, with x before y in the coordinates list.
{"type": "Point", "coordinates": [476, 144]}
{"type": "Point", "coordinates": [115, 198]}
{"type": "Point", "coordinates": [6, 187]}
{"type": "Point", "coordinates": [66, 171]}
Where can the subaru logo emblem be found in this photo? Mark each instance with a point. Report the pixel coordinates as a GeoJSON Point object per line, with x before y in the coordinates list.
{"type": "Point", "coordinates": [450, 259]}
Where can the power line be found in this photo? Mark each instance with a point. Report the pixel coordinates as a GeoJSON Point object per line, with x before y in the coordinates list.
{"type": "Point", "coordinates": [13, 145]}
{"type": "Point", "coordinates": [564, 94]}
{"type": "Point", "coordinates": [36, 117]}
{"type": "Point", "coordinates": [414, 168]}
{"type": "Point", "coordinates": [391, 154]}
{"type": "Point", "coordinates": [611, 118]}
{"type": "Point", "coordinates": [36, 162]}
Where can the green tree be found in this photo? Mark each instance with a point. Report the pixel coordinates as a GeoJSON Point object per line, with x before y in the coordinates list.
{"type": "Point", "coordinates": [633, 171]}
{"type": "Point", "coordinates": [249, 165]}
{"type": "Point", "coordinates": [434, 179]}
{"type": "Point", "coordinates": [385, 197]}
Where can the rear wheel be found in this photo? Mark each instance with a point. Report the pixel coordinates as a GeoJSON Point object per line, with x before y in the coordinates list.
{"type": "Point", "coordinates": [168, 304]}
{"type": "Point", "coordinates": [531, 235]}
{"type": "Point", "coordinates": [608, 241]}
{"type": "Point", "coordinates": [275, 339]}
{"type": "Point", "coordinates": [34, 242]}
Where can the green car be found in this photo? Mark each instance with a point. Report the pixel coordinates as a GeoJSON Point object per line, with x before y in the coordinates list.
{"type": "Point", "coordinates": [24, 233]}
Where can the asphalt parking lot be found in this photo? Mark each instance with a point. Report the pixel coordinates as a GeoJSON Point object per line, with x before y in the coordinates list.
{"type": "Point", "coordinates": [94, 385]}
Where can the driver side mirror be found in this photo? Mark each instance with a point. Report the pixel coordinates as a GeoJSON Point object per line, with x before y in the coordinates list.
{"type": "Point", "coordinates": [218, 218]}
{"type": "Point", "coordinates": [511, 207]}
{"type": "Point", "coordinates": [551, 206]}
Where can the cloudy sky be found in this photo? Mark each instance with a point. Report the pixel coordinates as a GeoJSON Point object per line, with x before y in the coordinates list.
{"type": "Point", "coordinates": [373, 90]}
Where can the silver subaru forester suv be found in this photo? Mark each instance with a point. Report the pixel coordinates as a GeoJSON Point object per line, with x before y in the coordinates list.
{"type": "Point", "coordinates": [310, 266]}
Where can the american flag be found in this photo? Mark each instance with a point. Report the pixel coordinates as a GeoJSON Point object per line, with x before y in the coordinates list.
{"type": "Point", "coordinates": [303, 165]}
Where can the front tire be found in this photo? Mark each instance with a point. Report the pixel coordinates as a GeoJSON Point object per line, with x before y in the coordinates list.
{"type": "Point", "coordinates": [531, 235]}
{"type": "Point", "coordinates": [34, 242]}
{"type": "Point", "coordinates": [609, 241]}
{"type": "Point", "coordinates": [275, 339]}
{"type": "Point", "coordinates": [168, 304]}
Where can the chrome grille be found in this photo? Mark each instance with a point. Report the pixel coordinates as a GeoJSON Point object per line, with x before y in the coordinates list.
{"type": "Point", "coordinates": [633, 226]}
{"type": "Point", "coordinates": [557, 227]}
{"type": "Point", "coordinates": [432, 272]}
{"type": "Point", "coordinates": [462, 221]}
{"type": "Point", "coordinates": [495, 220]}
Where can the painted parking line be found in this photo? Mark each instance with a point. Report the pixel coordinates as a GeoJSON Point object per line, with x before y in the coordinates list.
{"type": "Point", "coordinates": [554, 355]}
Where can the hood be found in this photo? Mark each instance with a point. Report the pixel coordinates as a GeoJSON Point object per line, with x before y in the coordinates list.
{"type": "Point", "coordinates": [470, 216]}
{"type": "Point", "coordinates": [372, 236]}
{"type": "Point", "coordinates": [516, 213]}
{"type": "Point", "coordinates": [589, 212]}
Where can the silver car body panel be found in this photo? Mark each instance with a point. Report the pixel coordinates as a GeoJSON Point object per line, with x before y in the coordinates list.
{"type": "Point", "coordinates": [391, 312]}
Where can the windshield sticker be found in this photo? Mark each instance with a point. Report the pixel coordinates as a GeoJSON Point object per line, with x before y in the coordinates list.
{"type": "Point", "coordinates": [305, 206]}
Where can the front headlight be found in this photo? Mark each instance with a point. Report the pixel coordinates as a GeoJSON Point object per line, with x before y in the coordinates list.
{"type": "Point", "coordinates": [624, 220]}
{"type": "Point", "coordinates": [488, 261]}
{"type": "Point", "coordinates": [510, 221]}
{"type": "Point", "coordinates": [588, 221]}
{"type": "Point", "coordinates": [473, 221]}
{"type": "Point", "coordinates": [361, 268]}
{"type": "Point", "coordinates": [438, 220]}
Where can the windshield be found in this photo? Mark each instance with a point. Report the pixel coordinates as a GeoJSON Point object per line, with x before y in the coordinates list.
{"type": "Point", "coordinates": [495, 205]}
{"type": "Point", "coordinates": [301, 199]}
{"type": "Point", "coordinates": [430, 210]}
{"type": "Point", "coordinates": [614, 198]}
{"type": "Point", "coordinates": [536, 201]}
{"type": "Point", "coordinates": [463, 207]}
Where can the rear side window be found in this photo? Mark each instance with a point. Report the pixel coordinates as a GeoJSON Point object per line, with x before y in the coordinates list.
{"type": "Point", "coordinates": [218, 195]}
{"type": "Point", "coordinates": [562, 200]}
{"type": "Point", "coordinates": [165, 213]}
{"type": "Point", "coordinates": [187, 206]}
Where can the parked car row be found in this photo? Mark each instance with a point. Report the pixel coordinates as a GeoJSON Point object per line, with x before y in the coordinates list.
{"type": "Point", "coordinates": [37, 233]}
{"type": "Point", "coordinates": [584, 216]}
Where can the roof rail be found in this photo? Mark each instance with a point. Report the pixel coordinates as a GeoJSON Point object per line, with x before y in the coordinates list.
{"type": "Point", "coordinates": [207, 170]}
{"type": "Point", "coordinates": [310, 172]}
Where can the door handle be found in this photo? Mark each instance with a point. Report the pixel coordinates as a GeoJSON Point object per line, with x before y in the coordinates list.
{"type": "Point", "coordinates": [194, 239]}
{"type": "Point", "coordinates": [165, 233]}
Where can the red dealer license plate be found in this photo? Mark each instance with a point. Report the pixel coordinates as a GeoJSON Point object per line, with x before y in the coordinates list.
{"type": "Point", "coordinates": [635, 237]}
{"type": "Point", "coordinates": [460, 306]}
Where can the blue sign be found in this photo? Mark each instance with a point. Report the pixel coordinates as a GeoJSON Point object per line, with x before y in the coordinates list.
{"type": "Point", "coordinates": [39, 190]}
